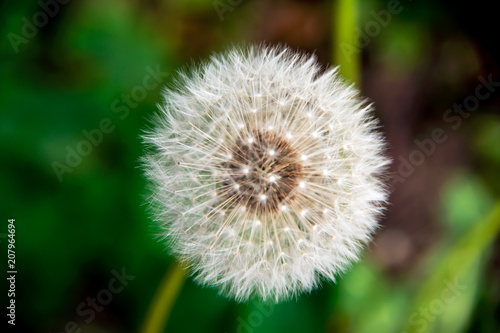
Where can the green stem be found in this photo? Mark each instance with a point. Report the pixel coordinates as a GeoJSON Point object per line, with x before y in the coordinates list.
{"type": "Point", "coordinates": [345, 50]}
{"type": "Point", "coordinates": [164, 300]}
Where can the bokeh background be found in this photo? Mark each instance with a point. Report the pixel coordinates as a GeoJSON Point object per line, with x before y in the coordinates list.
{"type": "Point", "coordinates": [434, 265]}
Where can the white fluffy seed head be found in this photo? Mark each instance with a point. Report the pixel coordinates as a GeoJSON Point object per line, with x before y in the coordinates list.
{"type": "Point", "coordinates": [267, 173]}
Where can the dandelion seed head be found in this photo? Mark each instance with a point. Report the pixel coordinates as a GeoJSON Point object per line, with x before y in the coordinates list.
{"type": "Point", "coordinates": [267, 173]}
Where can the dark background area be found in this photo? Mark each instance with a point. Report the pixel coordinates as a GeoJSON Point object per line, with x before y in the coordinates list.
{"type": "Point", "coordinates": [87, 71]}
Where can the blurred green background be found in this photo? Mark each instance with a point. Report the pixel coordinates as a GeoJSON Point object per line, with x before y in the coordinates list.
{"type": "Point", "coordinates": [87, 75]}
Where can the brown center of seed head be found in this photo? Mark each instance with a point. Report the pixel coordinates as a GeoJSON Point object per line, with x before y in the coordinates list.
{"type": "Point", "coordinates": [263, 172]}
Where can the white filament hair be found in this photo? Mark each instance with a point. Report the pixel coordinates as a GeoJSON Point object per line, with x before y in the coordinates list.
{"type": "Point", "coordinates": [320, 228]}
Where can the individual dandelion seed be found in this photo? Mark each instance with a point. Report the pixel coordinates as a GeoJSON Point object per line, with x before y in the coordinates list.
{"type": "Point", "coordinates": [267, 174]}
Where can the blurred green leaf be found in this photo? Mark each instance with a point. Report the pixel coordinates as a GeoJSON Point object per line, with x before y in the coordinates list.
{"type": "Point", "coordinates": [451, 276]}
